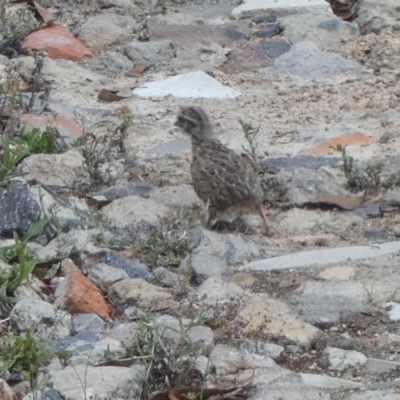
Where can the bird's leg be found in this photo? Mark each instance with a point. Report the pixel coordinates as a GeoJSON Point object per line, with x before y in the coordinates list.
{"type": "Point", "coordinates": [261, 210]}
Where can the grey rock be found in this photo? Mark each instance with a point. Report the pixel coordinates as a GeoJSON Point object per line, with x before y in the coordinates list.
{"type": "Point", "coordinates": [214, 291]}
{"type": "Point", "coordinates": [54, 169]}
{"type": "Point", "coordinates": [328, 382]}
{"type": "Point", "coordinates": [390, 200]}
{"type": "Point", "coordinates": [206, 265]}
{"type": "Point", "coordinates": [122, 332]}
{"type": "Point", "coordinates": [373, 395]}
{"type": "Point", "coordinates": [301, 186]}
{"type": "Point", "coordinates": [103, 275]}
{"type": "Point", "coordinates": [374, 21]}
{"type": "Point", "coordinates": [110, 63]}
{"type": "Point", "coordinates": [167, 277]}
{"type": "Point", "coordinates": [133, 269]}
{"type": "Point", "coordinates": [42, 318]}
{"type": "Point", "coordinates": [322, 29]}
{"type": "Point", "coordinates": [122, 6]}
{"type": "Point", "coordinates": [273, 49]}
{"type": "Point", "coordinates": [376, 366]}
{"type": "Point", "coordinates": [264, 18]}
{"type": "Point", "coordinates": [323, 257]}
{"type": "Point", "coordinates": [87, 322]}
{"type": "Point", "coordinates": [368, 210]}
{"type": "Point", "coordinates": [90, 348]}
{"type": "Point", "coordinates": [182, 197]}
{"type": "Point", "coordinates": [50, 394]}
{"type": "Point", "coordinates": [375, 234]}
{"type": "Point", "coordinates": [18, 209]}
{"type": "Point", "coordinates": [3, 60]}
{"type": "Point", "coordinates": [228, 360]}
{"type": "Point", "coordinates": [119, 29]}
{"type": "Point", "coordinates": [306, 62]}
{"type": "Point", "coordinates": [262, 348]}
{"type": "Point", "coordinates": [309, 162]}
{"type": "Point", "coordinates": [150, 53]}
{"type": "Point", "coordinates": [102, 383]}
{"type": "Point", "coordinates": [140, 189]}
{"type": "Point", "coordinates": [270, 31]}
{"type": "Point", "coordinates": [342, 359]}
{"type": "Point", "coordinates": [387, 338]}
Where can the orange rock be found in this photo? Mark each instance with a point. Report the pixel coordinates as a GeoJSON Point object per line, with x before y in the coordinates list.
{"type": "Point", "coordinates": [68, 128]}
{"type": "Point", "coordinates": [77, 294]}
{"type": "Point", "coordinates": [344, 140]}
{"type": "Point", "coordinates": [58, 43]}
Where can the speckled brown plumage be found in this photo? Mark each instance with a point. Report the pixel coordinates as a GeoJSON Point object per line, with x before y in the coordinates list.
{"type": "Point", "coordinates": [220, 177]}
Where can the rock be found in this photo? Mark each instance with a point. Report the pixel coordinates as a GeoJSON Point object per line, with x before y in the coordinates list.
{"type": "Point", "coordinates": [87, 322]}
{"type": "Point", "coordinates": [101, 383]}
{"type": "Point", "coordinates": [373, 21]}
{"type": "Point", "coordinates": [270, 31]}
{"type": "Point", "coordinates": [66, 214]}
{"type": "Point", "coordinates": [150, 53]}
{"type": "Point", "coordinates": [6, 392]}
{"type": "Point", "coordinates": [304, 186]}
{"type": "Point", "coordinates": [242, 279]}
{"type": "Point", "coordinates": [281, 321]}
{"type": "Point", "coordinates": [180, 198]}
{"type": "Point", "coordinates": [42, 318]}
{"type": "Point", "coordinates": [134, 211]}
{"type": "Point", "coordinates": [171, 330]}
{"type": "Point", "coordinates": [110, 63]}
{"type": "Point", "coordinates": [57, 42]}
{"type": "Point", "coordinates": [53, 169]}
{"type": "Point", "coordinates": [394, 311]}
{"type": "Point", "coordinates": [308, 162]}
{"type": "Point", "coordinates": [167, 277]}
{"type": "Point", "coordinates": [375, 366]}
{"type": "Point", "coordinates": [140, 189]}
{"type": "Point", "coordinates": [90, 348]}
{"type": "Point", "coordinates": [387, 338]}
{"type": "Point", "coordinates": [173, 148]}
{"type": "Point", "coordinates": [306, 62]}
{"type": "Point", "coordinates": [337, 273]}
{"type": "Point", "coordinates": [133, 269]}
{"type": "Point", "coordinates": [214, 291]}
{"type": "Point", "coordinates": [342, 359]}
{"type": "Point", "coordinates": [328, 382]}
{"type": "Point", "coordinates": [195, 84]}
{"type": "Point", "coordinates": [375, 234]}
{"type": "Point", "coordinates": [228, 360]}
{"type": "Point", "coordinates": [323, 29]}
{"type": "Point", "coordinates": [137, 292]}
{"type": "Point", "coordinates": [297, 222]}
{"type": "Point", "coordinates": [78, 294]}
{"type": "Point", "coordinates": [323, 257]}
{"type": "Point", "coordinates": [290, 5]}
{"type": "Point", "coordinates": [390, 200]}
{"type": "Point", "coordinates": [373, 395]}
{"type": "Point", "coordinates": [18, 209]}
{"type": "Point", "coordinates": [103, 275]}
{"type": "Point", "coordinates": [262, 348]}
{"type": "Point", "coordinates": [206, 265]}
{"type": "Point", "coordinates": [119, 29]}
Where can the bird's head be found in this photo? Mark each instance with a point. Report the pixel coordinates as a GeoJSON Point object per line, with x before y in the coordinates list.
{"type": "Point", "coordinates": [194, 121]}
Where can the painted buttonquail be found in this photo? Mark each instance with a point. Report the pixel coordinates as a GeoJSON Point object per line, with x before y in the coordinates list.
{"type": "Point", "coordinates": [221, 178]}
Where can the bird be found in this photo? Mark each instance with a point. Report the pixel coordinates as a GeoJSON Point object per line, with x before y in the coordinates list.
{"type": "Point", "coordinates": [345, 9]}
{"type": "Point", "coordinates": [220, 177]}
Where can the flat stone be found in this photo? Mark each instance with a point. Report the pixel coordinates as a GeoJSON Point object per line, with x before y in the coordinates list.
{"type": "Point", "coordinates": [281, 320]}
{"type": "Point", "coordinates": [150, 53]}
{"type": "Point", "coordinates": [377, 366]}
{"type": "Point", "coordinates": [310, 162]}
{"type": "Point", "coordinates": [254, 5]}
{"type": "Point", "coordinates": [340, 359]}
{"type": "Point", "coordinates": [322, 258]}
{"type": "Point", "coordinates": [195, 84]}
{"type": "Point", "coordinates": [140, 189]}
{"type": "Point", "coordinates": [206, 265]}
{"type": "Point", "coordinates": [327, 382]}
{"type": "Point", "coordinates": [265, 349]}
{"type": "Point", "coordinates": [387, 338]}
{"type": "Point", "coordinates": [101, 383]}
{"type": "Point", "coordinates": [87, 322]}
{"type": "Point", "coordinates": [337, 273]}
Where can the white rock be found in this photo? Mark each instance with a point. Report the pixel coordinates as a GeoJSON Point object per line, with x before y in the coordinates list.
{"type": "Point", "coordinates": [327, 382]}
{"type": "Point", "coordinates": [394, 313]}
{"type": "Point", "coordinates": [195, 84]}
{"type": "Point", "coordinates": [251, 5]}
{"type": "Point", "coordinates": [340, 359]}
{"type": "Point", "coordinates": [323, 257]}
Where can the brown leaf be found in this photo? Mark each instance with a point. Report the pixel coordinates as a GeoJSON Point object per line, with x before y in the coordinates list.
{"type": "Point", "coordinates": [136, 71]}
{"type": "Point", "coordinates": [107, 96]}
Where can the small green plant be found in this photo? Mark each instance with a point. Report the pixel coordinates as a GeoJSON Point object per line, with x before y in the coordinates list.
{"type": "Point", "coordinates": [22, 260]}
{"type": "Point", "coordinates": [10, 158]}
{"type": "Point", "coordinates": [24, 354]}
{"type": "Point", "coordinates": [164, 247]}
{"type": "Point", "coordinates": [357, 179]}
{"type": "Point", "coordinates": [250, 134]}
{"type": "Point", "coordinates": [168, 362]}
{"type": "Point", "coordinates": [80, 141]}
{"type": "Point", "coordinates": [35, 141]}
